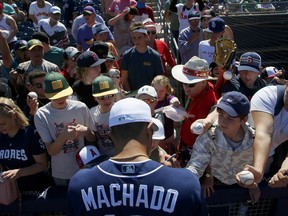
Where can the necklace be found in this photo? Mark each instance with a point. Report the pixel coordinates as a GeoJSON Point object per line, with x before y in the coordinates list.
{"type": "Point", "coordinates": [130, 158]}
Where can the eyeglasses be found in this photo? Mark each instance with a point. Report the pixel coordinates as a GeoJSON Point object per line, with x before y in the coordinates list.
{"type": "Point", "coordinates": [149, 100]}
{"type": "Point", "coordinates": [151, 32]}
{"type": "Point", "coordinates": [190, 85]}
{"type": "Point", "coordinates": [38, 85]}
{"type": "Point", "coordinates": [105, 96]}
{"type": "Point", "coordinates": [117, 77]}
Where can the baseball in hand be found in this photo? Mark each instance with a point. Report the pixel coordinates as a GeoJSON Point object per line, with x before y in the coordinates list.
{"type": "Point", "coordinates": [197, 128]}
{"type": "Point", "coordinates": [227, 75]}
{"type": "Point", "coordinates": [246, 177]}
{"type": "Point", "coordinates": [32, 95]}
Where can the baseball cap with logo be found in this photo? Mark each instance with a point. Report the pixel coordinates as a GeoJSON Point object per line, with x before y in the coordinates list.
{"type": "Point", "coordinates": [20, 45]}
{"type": "Point", "coordinates": [269, 72]}
{"type": "Point", "coordinates": [70, 52]}
{"type": "Point", "coordinates": [89, 59]}
{"type": "Point", "coordinates": [55, 10]}
{"type": "Point", "coordinates": [250, 61]}
{"type": "Point", "coordinates": [146, 89]}
{"type": "Point", "coordinates": [103, 85]}
{"type": "Point", "coordinates": [56, 86]}
{"type": "Point", "coordinates": [33, 43]}
{"type": "Point", "coordinates": [194, 16]}
{"type": "Point", "coordinates": [234, 104]}
{"type": "Point", "coordinates": [89, 156]}
{"type": "Point", "coordinates": [216, 25]}
{"type": "Point", "coordinates": [89, 10]}
{"type": "Point", "coordinates": [130, 110]}
{"type": "Point", "coordinates": [99, 28]}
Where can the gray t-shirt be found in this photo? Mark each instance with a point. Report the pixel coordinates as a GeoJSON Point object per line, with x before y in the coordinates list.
{"type": "Point", "coordinates": [49, 123]}
{"type": "Point", "coordinates": [105, 144]}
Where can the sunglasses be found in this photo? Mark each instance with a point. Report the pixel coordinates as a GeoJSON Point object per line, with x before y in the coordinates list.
{"type": "Point", "coordinates": [117, 77]}
{"type": "Point", "coordinates": [190, 85]}
{"type": "Point", "coordinates": [149, 100]}
{"type": "Point", "coordinates": [151, 32]}
{"type": "Point", "coordinates": [38, 85]}
{"type": "Point", "coordinates": [105, 96]}
{"type": "Point", "coordinates": [86, 14]}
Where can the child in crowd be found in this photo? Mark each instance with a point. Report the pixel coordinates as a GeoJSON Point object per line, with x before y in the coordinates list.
{"type": "Point", "coordinates": [165, 97]}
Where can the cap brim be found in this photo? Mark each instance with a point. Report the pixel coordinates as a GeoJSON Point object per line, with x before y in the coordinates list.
{"type": "Point", "coordinates": [63, 93]}
{"type": "Point", "coordinates": [244, 67]}
{"type": "Point", "coordinates": [114, 91]}
{"type": "Point", "coordinates": [194, 18]}
{"type": "Point", "coordinates": [30, 48]}
{"type": "Point", "coordinates": [99, 62]}
{"type": "Point", "coordinates": [229, 110]}
{"type": "Point", "coordinates": [183, 78]}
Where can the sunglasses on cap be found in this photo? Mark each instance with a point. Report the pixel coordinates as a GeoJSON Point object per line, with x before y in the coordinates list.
{"type": "Point", "coordinates": [190, 85]}
{"type": "Point", "coordinates": [151, 32]}
{"type": "Point", "coordinates": [38, 85]}
{"type": "Point", "coordinates": [105, 96]}
{"type": "Point", "coordinates": [149, 100]}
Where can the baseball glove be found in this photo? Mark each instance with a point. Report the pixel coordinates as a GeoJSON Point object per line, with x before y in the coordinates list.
{"type": "Point", "coordinates": [225, 51]}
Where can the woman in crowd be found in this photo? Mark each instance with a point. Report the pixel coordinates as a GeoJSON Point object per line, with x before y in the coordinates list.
{"type": "Point", "coordinates": [22, 152]}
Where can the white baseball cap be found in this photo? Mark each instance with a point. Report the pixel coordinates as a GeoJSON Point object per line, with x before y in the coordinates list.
{"type": "Point", "coordinates": [159, 134]}
{"type": "Point", "coordinates": [55, 10]}
{"type": "Point", "coordinates": [89, 155]}
{"type": "Point", "coordinates": [146, 89]}
{"type": "Point", "coordinates": [130, 110]}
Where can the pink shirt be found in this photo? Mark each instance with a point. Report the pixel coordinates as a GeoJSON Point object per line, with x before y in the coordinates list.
{"type": "Point", "coordinates": [121, 4]}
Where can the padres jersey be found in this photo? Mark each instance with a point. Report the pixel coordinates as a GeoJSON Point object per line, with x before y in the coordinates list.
{"type": "Point", "coordinates": [138, 188]}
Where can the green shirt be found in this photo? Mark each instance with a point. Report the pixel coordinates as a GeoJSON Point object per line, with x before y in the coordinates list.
{"type": "Point", "coordinates": [174, 26]}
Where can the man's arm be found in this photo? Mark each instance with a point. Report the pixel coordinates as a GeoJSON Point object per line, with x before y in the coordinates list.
{"type": "Point", "coordinates": [14, 29]}
{"type": "Point", "coordinates": [6, 54]}
{"type": "Point", "coordinates": [264, 123]}
{"type": "Point", "coordinates": [124, 80]}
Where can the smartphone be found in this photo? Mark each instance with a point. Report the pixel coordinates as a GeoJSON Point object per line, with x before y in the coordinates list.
{"type": "Point", "coordinates": [20, 71]}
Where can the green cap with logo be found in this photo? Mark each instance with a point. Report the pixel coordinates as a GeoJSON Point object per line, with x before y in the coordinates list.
{"type": "Point", "coordinates": [33, 43]}
{"type": "Point", "coordinates": [102, 86]}
{"type": "Point", "coordinates": [56, 86]}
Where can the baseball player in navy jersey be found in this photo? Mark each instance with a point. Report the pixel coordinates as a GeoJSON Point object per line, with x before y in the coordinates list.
{"type": "Point", "coordinates": [130, 183]}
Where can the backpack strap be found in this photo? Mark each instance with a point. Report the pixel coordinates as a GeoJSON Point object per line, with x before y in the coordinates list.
{"type": "Point", "coordinates": [279, 102]}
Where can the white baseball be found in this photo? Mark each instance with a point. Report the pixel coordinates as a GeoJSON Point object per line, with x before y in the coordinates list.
{"type": "Point", "coordinates": [246, 177]}
{"type": "Point", "coordinates": [5, 34]}
{"type": "Point", "coordinates": [197, 128]}
{"type": "Point", "coordinates": [32, 95]}
{"type": "Point", "coordinates": [227, 75]}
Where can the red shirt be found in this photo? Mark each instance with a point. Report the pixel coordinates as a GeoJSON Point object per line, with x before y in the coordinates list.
{"type": "Point", "coordinates": [147, 10]}
{"type": "Point", "coordinates": [199, 106]}
{"type": "Point", "coordinates": [166, 57]}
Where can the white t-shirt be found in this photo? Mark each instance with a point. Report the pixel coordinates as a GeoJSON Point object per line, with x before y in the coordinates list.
{"type": "Point", "coordinates": [183, 14]}
{"type": "Point", "coordinates": [56, 33]}
{"type": "Point", "coordinates": [206, 51]}
{"type": "Point", "coordinates": [40, 13]}
{"type": "Point", "coordinates": [50, 122]}
{"type": "Point", "coordinates": [265, 100]}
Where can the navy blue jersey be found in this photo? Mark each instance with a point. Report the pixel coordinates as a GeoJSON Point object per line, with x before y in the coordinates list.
{"type": "Point", "coordinates": [135, 188]}
{"type": "Point", "coordinates": [17, 152]}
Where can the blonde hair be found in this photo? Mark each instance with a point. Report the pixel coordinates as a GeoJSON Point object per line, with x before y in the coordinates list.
{"type": "Point", "coordinates": [8, 108]}
{"type": "Point", "coordinates": [81, 71]}
{"type": "Point", "coordinates": [164, 81]}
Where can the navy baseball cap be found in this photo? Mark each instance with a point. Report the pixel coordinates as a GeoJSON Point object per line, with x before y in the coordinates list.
{"type": "Point", "coordinates": [99, 28]}
{"type": "Point", "coordinates": [89, 59]}
{"type": "Point", "coordinates": [234, 104]}
{"type": "Point", "coordinates": [20, 45]}
{"type": "Point", "coordinates": [216, 25]}
{"type": "Point", "coordinates": [250, 61]}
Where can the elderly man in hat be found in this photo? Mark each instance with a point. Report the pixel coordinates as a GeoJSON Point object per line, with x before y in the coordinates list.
{"type": "Point", "coordinates": [200, 96]}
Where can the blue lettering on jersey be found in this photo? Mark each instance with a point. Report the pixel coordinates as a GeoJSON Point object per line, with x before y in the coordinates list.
{"type": "Point", "coordinates": [160, 199]}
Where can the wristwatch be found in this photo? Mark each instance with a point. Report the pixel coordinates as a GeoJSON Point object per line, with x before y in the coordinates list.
{"type": "Point", "coordinates": [207, 175]}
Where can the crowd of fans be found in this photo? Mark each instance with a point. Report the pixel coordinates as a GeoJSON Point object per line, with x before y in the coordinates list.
{"type": "Point", "coordinates": [102, 53]}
